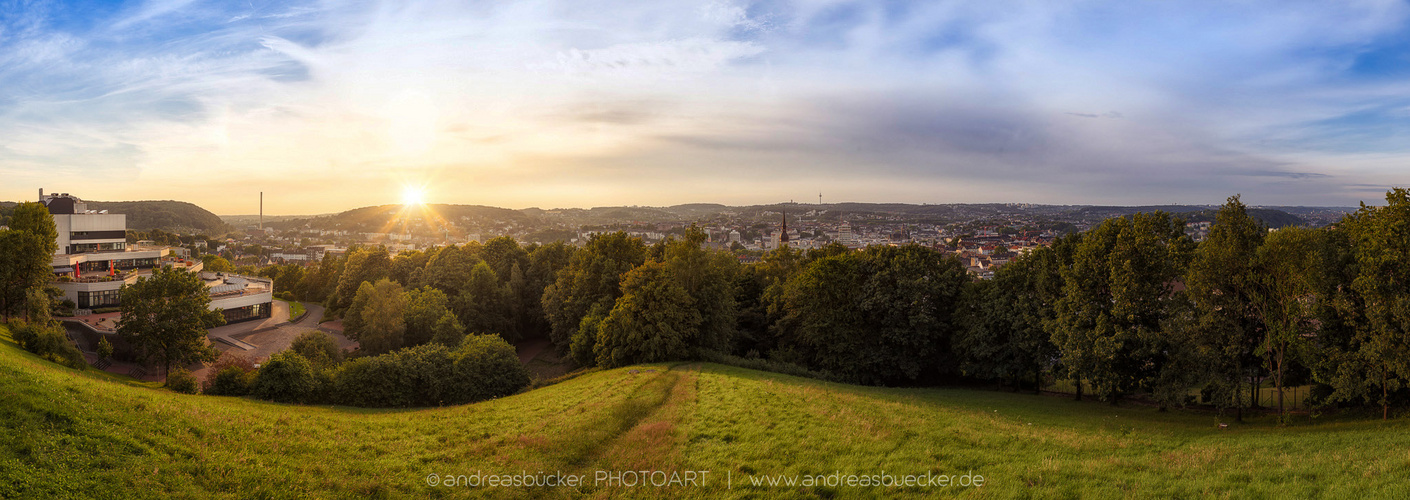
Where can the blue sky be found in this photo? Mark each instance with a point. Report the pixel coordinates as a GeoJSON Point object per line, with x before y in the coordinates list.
{"type": "Point", "coordinates": [332, 105]}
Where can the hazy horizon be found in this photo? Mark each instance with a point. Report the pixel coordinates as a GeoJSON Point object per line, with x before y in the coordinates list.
{"type": "Point", "coordinates": [801, 203]}
{"type": "Point", "coordinates": [332, 105]}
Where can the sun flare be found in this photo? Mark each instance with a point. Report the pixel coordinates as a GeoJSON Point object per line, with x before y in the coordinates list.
{"type": "Point", "coordinates": [411, 195]}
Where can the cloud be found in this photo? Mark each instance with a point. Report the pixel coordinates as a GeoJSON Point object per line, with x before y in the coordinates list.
{"type": "Point", "coordinates": [150, 10]}
{"type": "Point", "coordinates": [650, 102]}
{"type": "Point", "coordinates": [1109, 114]}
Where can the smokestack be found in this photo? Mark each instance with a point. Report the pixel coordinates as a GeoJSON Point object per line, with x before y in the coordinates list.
{"type": "Point", "coordinates": [41, 194]}
{"type": "Point", "coordinates": [261, 210]}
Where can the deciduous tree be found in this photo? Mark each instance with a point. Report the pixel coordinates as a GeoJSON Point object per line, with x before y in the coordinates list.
{"type": "Point", "coordinates": [165, 318]}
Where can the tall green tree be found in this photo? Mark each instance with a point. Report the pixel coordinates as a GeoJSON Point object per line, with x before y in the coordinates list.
{"type": "Point", "coordinates": [26, 253]}
{"type": "Point", "coordinates": [1224, 281]}
{"type": "Point", "coordinates": [654, 320]}
{"type": "Point", "coordinates": [165, 318]}
{"type": "Point", "coordinates": [1004, 337]}
{"type": "Point", "coordinates": [449, 269]}
{"type": "Point", "coordinates": [322, 281]}
{"type": "Point", "coordinates": [709, 278]}
{"type": "Point", "coordinates": [545, 261]}
{"type": "Point", "coordinates": [593, 276]}
{"type": "Point", "coordinates": [484, 306]}
{"type": "Point", "coordinates": [1380, 354]}
{"type": "Point", "coordinates": [759, 297]}
{"type": "Point", "coordinates": [216, 264]}
{"type": "Point", "coordinates": [1116, 296]}
{"type": "Point", "coordinates": [424, 309]}
{"type": "Point", "coordinates": [1289, 265]}
{"type": "Point", "coordinates": [502, 254]}
{"type": "Point", "coordinates": [381, 317]}
{"type": "Point", "coordinates": [407, 266]}
{"type": "Point", "coordinates": [363, 264]}
{"type": "Point", "coordinates": [882, 316]}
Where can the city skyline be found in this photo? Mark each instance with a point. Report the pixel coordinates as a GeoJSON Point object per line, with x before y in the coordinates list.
{"type": "Point", "coordinates": [336, 105]}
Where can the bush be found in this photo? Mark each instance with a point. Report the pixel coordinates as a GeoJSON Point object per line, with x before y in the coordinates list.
{"type": "Point", "coordinates": [287, 378]}
{"type": "Point", "coordinates": [182, 381]}
{"type": "Point", "coordinates": [233, 358]}
{"type": "Point", "coordinates": [483, 367]}
{"type": "Point", "coordinates": [318, 348]}
{"type": "Point", "coordinates": [231, 375]}
{"type": "Point", "coordinates": [372, 381]}
{"type": "Point", "coordinates": [47, 340]}
{"type": "Point", "coordinates": [104, 349]}
{"type": "Point", "coordinates": [229, 381]}
{"type": "Point", "coordinates": [416, 376]}
{"type": "Point", "coordinates": [105, 310]}
{"type": "Point", "coordinates": [487, 367]}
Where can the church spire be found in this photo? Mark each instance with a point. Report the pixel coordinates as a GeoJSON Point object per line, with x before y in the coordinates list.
{"type": "Point", "coordinates": [783, 233]}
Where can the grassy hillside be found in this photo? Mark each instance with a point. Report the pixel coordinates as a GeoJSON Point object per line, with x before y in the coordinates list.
{"type": "Point", "coordinates": [81, 434]}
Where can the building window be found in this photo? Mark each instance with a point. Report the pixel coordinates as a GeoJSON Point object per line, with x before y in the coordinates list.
{"type": "Point", "coordinates": [102, 298]}
{"type": "Point", "coordinates": [256, 311]}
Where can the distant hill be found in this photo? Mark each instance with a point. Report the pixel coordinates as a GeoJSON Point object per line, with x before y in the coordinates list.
{"type": "Point", "coordinates": [166, 215]}
{"type": "Point", "coordinates": [382, 217]}
{"type": "Point", "coordinates": [1269, 217]}
{"type": "Point", "coordinates": [1198, 213]}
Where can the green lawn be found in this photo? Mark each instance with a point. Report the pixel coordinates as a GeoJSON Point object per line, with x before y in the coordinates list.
{"type": "Point", "coordinates": [65, 433]}
{"type": "Point", "coordinates": [295, 308]}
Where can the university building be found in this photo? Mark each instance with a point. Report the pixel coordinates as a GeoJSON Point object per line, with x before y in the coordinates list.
{"type": "Point", "coordinates": [93, 261]}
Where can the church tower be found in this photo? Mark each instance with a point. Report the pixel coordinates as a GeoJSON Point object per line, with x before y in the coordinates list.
{"type": "Point", "coordinates": [783, 233]}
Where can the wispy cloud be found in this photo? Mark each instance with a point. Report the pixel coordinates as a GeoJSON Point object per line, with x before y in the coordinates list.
{"type": "Point", "coordinates": [560, 103]}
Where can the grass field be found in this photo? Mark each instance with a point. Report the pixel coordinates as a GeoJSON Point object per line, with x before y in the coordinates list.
{"type": "Point", "coordinates": [65, 433]}
{"type": "Point", "coordinates": [296, 308]}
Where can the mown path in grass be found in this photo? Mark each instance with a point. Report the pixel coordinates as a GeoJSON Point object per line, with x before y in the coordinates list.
{"type": "Point", "coordinates": [66, 434]}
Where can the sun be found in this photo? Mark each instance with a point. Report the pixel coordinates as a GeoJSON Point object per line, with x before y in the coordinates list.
{"type": "Point", "coordinates": [413, 196]}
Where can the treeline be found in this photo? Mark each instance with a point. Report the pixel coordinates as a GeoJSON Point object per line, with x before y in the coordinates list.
{"type": "Point", "coordinates": [1130, 307]}
{"type": "Point", "coordinates": [1133, 306]}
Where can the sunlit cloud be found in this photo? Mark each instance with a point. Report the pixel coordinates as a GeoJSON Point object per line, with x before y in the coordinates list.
{"type": "Point", "coordinates": [333, 105]}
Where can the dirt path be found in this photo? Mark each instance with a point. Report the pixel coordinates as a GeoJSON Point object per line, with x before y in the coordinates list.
{"type": "Point", "coordinates": [530, 349]}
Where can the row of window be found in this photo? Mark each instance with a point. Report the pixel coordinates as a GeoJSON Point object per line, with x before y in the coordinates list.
{"type": "Point", "coordinates": [102, 298]}
{"type": "Point", "coordinates": [96, 247]}
{"type": "Point", "coordinates": [256, 311]}
{"type": "Point", "coordinates": [124, 264]}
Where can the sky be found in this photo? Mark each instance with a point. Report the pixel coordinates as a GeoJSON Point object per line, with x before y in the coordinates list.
{"type": "Point", "coordinates": [332, 105]}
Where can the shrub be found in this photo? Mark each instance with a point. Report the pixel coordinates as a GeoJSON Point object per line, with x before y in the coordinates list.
{"type": "Point", "coordinates": [416, 376]}
{"type": "Point", "coordinates": [229, 381]}
{"type": "Point", "coordinates": [487, 367]}
{"type": "Point", "coordinates": [47, 340]}
{"type": "Point", "coordinates": [318, 348]}
{"type": "Point", "coordinates": [448, 331]}
{"type": "Point", "coordinates": [232, 385]}
{"type": "Point", "coordinates": [104, 349]}
{"type": "Point", "coordinates": [105, 310]}
{"type": "Point", "coordinates": [372, 381]}
{"type": "Point", "coordinates": [482, 367]}
{"type": "Point", "coordinates": [287, 378]}
{"type": "Point", "coordinates": [182, 381]}
{"type": "Point", "coordinates": [232, 358]}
